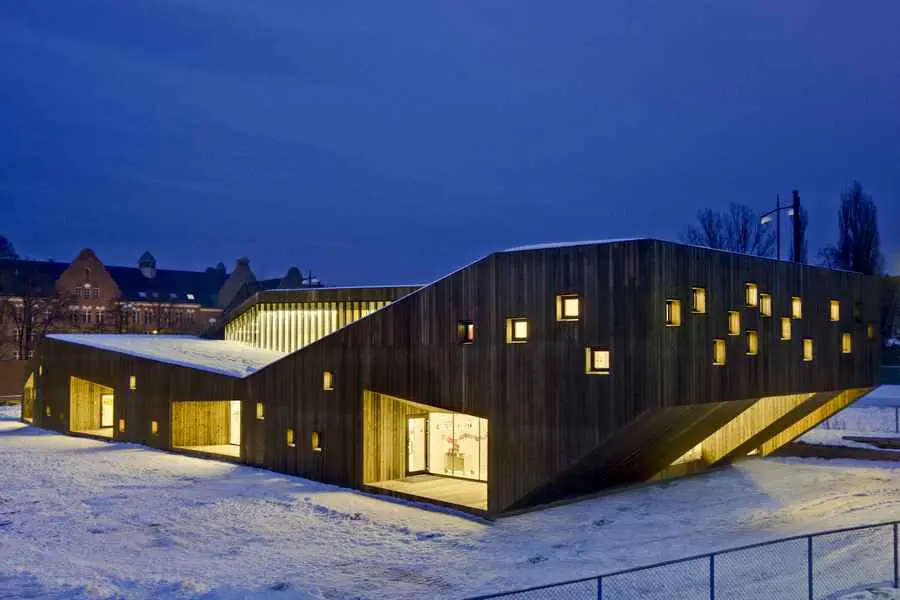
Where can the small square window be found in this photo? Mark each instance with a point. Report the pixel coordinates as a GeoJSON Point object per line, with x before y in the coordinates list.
{"type": "Point", "coordinates": [734, 322]}
{"type": "Point", "coordinates": [751, 291]}
{"type": "Point", "coordinates": [596, 361]}
{"type": "Point", "coordinates": [516, 330]}
{"type": "Point", "coordinates": [673, 313]}
{"type": "Point", "coordinates": [316, 441]}
{"type": "Point", "coordinates": [846, 343]}
{"type": "Point", "coordinates": [834, 311]}
{"type": "Point", "coordinates": [154, 428]}
{"type": "Point", "coordinates": [327, 381]}
{"type": "Point", "coordinates": [465, 331]}
{"type": "Point", "coordinates": [132, 382]}
{"type": "Point", "coordinates": [698, 301]}
{"type": "Point", "coordinates": [718, 352]}
{"type": "Point", "coordinates": [260, 411]}
{"type": "Point", "coordinates": [121, 425]}
{"type": "Point", "coordinates": [785, 328]}
{"type": "Point", "coordinates": [568, 307]}
{"type": "Point", "coordinates": [796, 307]}
{"type": "Point", "coordinates": [752, 343]}
{"type": "Point", "coordinates": [290, 438]}
{"type": "Point", "coordinates": [765, 305]}
{"type": "Point", "coordinates": [807, 349]}
{"type": "Point", "coordinates": [870, 331]}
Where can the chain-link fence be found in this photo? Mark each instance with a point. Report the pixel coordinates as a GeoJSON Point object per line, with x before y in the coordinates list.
{"type": "Point", "coordinates": [822, 566]}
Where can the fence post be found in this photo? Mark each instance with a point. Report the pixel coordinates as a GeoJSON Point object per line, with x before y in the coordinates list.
{"type": "Point", "coordinates": [896, 571]}
{"type": "Point", "coordinates": [809, 566]}
{"type": "Point", "coordinates": [600, 588]}
{"type": "Point", "coordinates": [712, 577]}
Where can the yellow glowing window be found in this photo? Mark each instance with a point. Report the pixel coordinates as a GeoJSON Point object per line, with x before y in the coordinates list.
{"type": "Point", "coordinates": [846, 343]}
{"type": "Point", "coordinates": [516, 330]}
{"type": "Point", "coordinates": [834, 311]}
{"type": "Point", "coordinates": [596, 361]}
{"type": "Point", "coordinates": [40, 370]}
{"type": "Point", "coordinates": [132, 383]}
{"type": "Point", "coordinates": [673, 313]}
{"type": "Point", "coordinates": [796, 307]}
{"type": "Point", "coordinates": [47, 411]}
{"type": "Point", "coordinates": [154, 427]}
{"type": "Point", "coordinates": [718, 352]}
{"type": "Point", "coordinates": [316, 441]}
{"type": "Point", "coordinates": [260, 411]}
{"type": "Point", "coordinates": [290, 437]}
{"type": "Point", "coordinates": [734, 322]}
{"type": "Point", "coordinates": [785, 328]}
{"type": "Point", "coordinates": [752, 343]}
{"type": "Point", "coordinates": [751, 291]}
{"type": "Point", "coordinates": [870, 331]}
{"type": "Point", "coordinates": [327, 381]}
{"type": "Point", "coordinates": [807, 349]}
{"type": "Point", "coordinates": [765, 305]}
{"type": "Point", "coordinates": [121, 425]}
{"type": "Point", "coordinates": [465, 331]}
{"type": "Point", "coordinates": [698, 301]}
{"type": "Point", "coordinates": [568, 307]}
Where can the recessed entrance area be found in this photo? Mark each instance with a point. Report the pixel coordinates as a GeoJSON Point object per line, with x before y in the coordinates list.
{"type": "Point", "coordinates": [424, 451]}
{"type": "Point", "coordinates": [28, 394]}
{"type": "Point", "coordinates": [210, 427]}
{"type": "Point", "coordinates": [91, 408]}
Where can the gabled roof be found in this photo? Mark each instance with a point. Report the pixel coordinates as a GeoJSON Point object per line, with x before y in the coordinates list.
{"type": "Point", "coordinates": [169, 285]}
{"type": "Point", "coordinates": [14, 273]}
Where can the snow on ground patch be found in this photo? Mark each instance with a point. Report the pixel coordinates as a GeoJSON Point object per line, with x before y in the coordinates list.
{"type": "Point", "coordinates": [835, 437]}
{"type": "Point", "coordinates": [93, 519]}
{"type": "Point", "coordinates": [217, 356]}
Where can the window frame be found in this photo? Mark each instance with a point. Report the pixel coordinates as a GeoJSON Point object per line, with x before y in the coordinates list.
{"type": "Point", "coordinates": [590, 363]}
{"type": "Point", "coordinates": [734, 322]}
{"type": "Point", "coordinates": [511, 334]}
{"type": "Point", "coordinates": [562, 300]}
{"type": "Point", "coordinates": [752, 337]}
{"type": "Point", "coordinates": [751, 294]}
{"type": "Point", "coordinates": [720, 352]}
{"type": "Point", "coordinates": [673, 312]}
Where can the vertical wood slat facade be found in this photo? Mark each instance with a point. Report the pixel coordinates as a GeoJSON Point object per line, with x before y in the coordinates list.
{"type": "Point", "coordinates": [554, 428]}
{"type": "Point", "coordinates": [204, 423]}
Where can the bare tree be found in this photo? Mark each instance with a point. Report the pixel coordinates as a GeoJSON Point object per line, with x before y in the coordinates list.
{"type": "Point", "coordinates": [737, 230]}
{"type": "Point", "coordinates": [6, 248]}
{"type": "Point", "coordinates": [804, 248]}
{"type": "Point", "coordinates": [859, 245]}
{"type": "Point", "coordinates": [890, 307]}
{"type": "Point", "coordinates": [33, 313]}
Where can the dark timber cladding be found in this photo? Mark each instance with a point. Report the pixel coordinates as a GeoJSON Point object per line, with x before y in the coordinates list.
{"type": "Point", "coordinates": [590, 365]}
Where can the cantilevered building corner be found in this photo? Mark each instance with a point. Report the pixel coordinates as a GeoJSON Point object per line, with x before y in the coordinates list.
{"type": "Point", "coordinates": [532, 375]}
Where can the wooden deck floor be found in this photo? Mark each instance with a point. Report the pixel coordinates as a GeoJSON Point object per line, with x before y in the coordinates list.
{"type": "Point", "coordinates": [106, 432]}
{"type": "Point", "coordinates": [223, 449]}
{"type": "Point", "coordinates": [462, 492]}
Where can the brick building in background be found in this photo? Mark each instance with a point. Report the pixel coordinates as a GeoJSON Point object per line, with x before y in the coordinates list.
{"type": "Point", "coordinates": [39, 297]}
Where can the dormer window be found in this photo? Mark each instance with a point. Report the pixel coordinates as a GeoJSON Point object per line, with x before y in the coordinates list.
{"type": "Point", "coordinates": [142, 294]}
{"type": "Point", "coordinates": [173, 295]}
{"type": "Point", "coordinates": [190, 296]}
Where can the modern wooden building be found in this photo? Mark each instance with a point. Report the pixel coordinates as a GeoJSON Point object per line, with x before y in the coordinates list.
{"type": "Point", "coordinates": [534, 374]}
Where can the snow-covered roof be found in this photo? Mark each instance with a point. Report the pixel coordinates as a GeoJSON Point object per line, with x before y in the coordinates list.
{"type": "Point", "coordinates": [568, 244]}
{"type": "Point", "coordinates": [234, 359]}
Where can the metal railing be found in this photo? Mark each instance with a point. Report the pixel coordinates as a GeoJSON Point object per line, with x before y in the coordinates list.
{"type": "Point", "coordinates": [820, 566]}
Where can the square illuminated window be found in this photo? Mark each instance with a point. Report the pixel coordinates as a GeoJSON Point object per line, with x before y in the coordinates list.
{"type": "Point", "coordinates": [718, 352]}
{"type": "Point", "coordinates": [807, 349]}
{"type": "Point", "coordinates": [870, 331]}
{"type": "Point", "coordinates": [290, 438]}
{"type": "Point", "coordinates": [734, 322]}
{"type": "Point", "coordinates": [121, 425]}
{"type": "Point", "coordinates": [596, 361]}
{"type": "Point", "coordinates": [796, 307]}
{"type": "Point", "coordinates": [752, 343]}
{"type": "Point", "coordinates": [154, 428]}
{"type": "Point", "coordinates": [327, 381]}
{"type": "Point", "coordinates": [316, 441]}
{"type": "Point", "coordinates": [834, 312]}
{"type": "Point", "coordinates": [568, 307]}
{"type": "Point", "coordinates": [465, 331]}
{"type": "Point", "coordinates": [846, 343]}
{"type": "Point", "coordinates": [751, 292]}
{"type": "Point", "coordinates": [516, 330]}
{"type": "Point", "coordinates": [260, 411]}
{"type": "Point", "coordinates": [698, 301]}
{"type": "Point", "coordinates": [132, 383]}
{"type": "Point", "coordinates": [765, 305]}
{"type": "Point", "coordinates": [785, 328]}
{"type": "Point", "coordinates": [673, 313]}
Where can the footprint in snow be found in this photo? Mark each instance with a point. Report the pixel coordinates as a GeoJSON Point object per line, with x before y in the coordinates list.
{"type": "Point", "coordinates": [428, 535]}
{"type": "Point", "coordinates": [537, 559]}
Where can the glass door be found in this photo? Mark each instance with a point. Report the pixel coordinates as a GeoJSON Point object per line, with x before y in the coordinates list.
{"type": "Point", "coordinates": [234, 430]}
{"type": "Point", "coordinates": [106, 410]}
{"type": "Point", "coordinates": [417, 445]}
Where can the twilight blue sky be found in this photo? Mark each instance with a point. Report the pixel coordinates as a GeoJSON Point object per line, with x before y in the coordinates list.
{"type": "Point", "coordinates": [393, 141]}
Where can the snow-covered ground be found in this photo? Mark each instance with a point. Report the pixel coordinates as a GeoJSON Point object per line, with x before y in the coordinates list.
{"type": "Point", "coordinates": [83, 519]}
{"type": "Point", "coordinates": [217, 356]}
{"type": "Point", "coordinates": [875, 415]}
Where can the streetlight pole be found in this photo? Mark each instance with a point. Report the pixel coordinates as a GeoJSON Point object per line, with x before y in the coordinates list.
{"type": "Point", "coordinates": [793, 210]}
